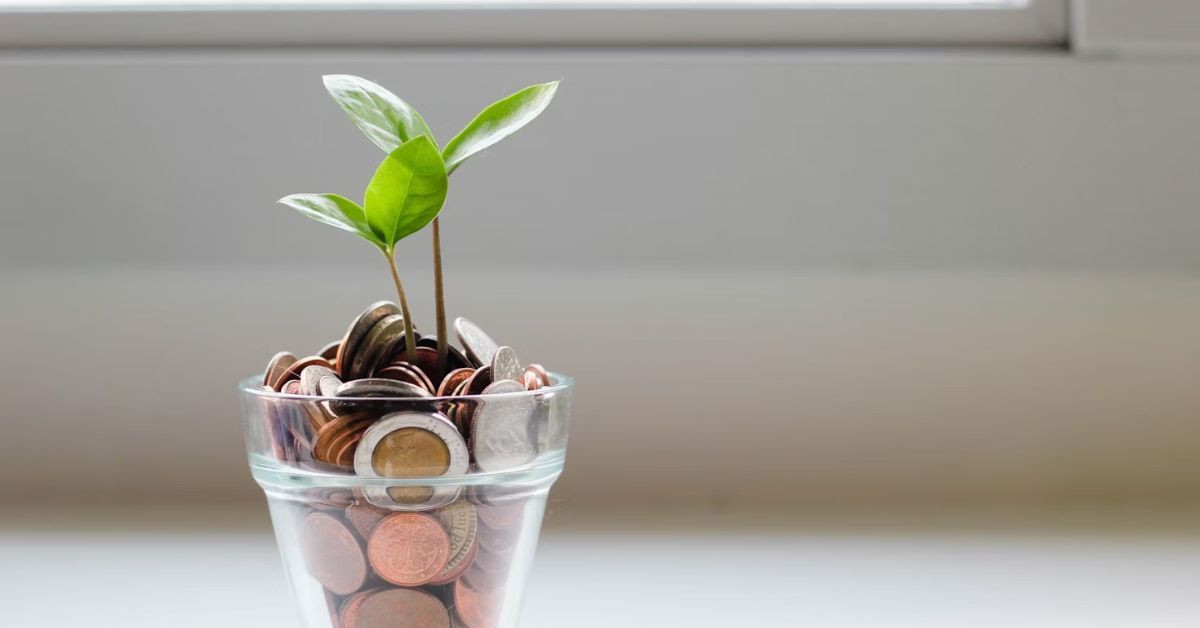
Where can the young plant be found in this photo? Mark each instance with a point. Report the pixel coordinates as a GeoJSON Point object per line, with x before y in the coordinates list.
{"type": "Point", "coordinates": [389, 123]}
{"type": "Point", "coordinates": [406, 193]}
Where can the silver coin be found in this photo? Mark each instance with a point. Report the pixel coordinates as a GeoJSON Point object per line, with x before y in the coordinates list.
{"type": "Point", "coordinates": [310, 379]}
{"type": "Point", "coordinates": [432, 422]}
{"type": "Point", "coordinates": [328, 385]}
{"type": "Point", "coordinates": [504, 430]}
{"type": "Point", "coordinates": [506, 365]}
{"type": "Point", "coordinates": [479, 346]}
{"type": "Point", "coordinates": [378, 344]}
{"type": "Point", "coordinates": [358, 330]}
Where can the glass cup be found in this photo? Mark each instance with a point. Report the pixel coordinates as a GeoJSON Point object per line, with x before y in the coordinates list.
{"type": "Point", "coordinates": [407, 512]}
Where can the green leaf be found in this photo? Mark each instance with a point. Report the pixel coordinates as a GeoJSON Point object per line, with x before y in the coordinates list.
{"type": "Point", "coordinates": [498, 121]}
{"type": "Point", "coordinates": [407, 191]}
{"type": "Point", "coordinates": [379, 114]}
{"type": "Point", "coordinates": [333, 210]}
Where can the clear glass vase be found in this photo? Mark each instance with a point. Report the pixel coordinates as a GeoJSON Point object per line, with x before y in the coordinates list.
{"type": "Point", "coordinates": [445, 539]}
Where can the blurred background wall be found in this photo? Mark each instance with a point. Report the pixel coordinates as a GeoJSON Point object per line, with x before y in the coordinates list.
{"type": "Point", "coordinates": [781, 276]}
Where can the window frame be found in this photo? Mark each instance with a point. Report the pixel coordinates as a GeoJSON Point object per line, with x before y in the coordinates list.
{"type": "Point", "coordinates": [1040, 23]}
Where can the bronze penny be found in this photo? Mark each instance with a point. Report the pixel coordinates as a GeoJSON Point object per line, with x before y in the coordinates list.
{"type": "Point", "coordinates": [409, 549]}
{"type": "Point", "coordinates": [462, 524]}
{"type": "Point", "coordinates": [426, 359]}
{"type": "Point", "coordinates": [476, 609]}
{"type": "Point", "coordinates": [329, 351]}
{"type": "Point", "coordinates": [399, 608]}
{"type": "Point", "coordinates": [345, 452]}
{"type": "Point", "coordinates": [454, 358]}
{"type": "Point", "coordinates": [349, 614]}
{"type": "Point", "coordinates": [276, 368]}
{"type": "Point", "coordinates": [480, 379]}
{"type": "Point", "coordinates": [540, 372]}
{"type": "Point", "coordinates": [332, 554]}
{"type": "Point", "coordinates": [364, 517]}
{"type": "Point", "coordinates": [452, 380]}
{"type": "Point", "coordinates": [530, 381]}
{"type": "Point", "coordinates": [358, 330]}
{"type": "Point", "coordinates": [405, 372]}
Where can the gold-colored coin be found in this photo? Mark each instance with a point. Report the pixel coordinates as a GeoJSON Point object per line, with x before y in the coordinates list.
{"type": "Point", "coordinates": [409, 452]}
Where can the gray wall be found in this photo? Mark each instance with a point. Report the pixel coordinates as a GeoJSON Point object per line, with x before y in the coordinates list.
{"type": "Point", "coordinates": [779, 276]}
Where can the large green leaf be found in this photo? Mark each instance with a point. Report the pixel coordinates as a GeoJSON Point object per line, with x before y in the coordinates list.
{"type": "Point", "coordinates": [407, 191]}
{"type": "Point", "coordinates": [333, 210]}
{"type": "Point", "coordinates": [379, 114]}
{"type": "Point", "coordinates": [498, 121]}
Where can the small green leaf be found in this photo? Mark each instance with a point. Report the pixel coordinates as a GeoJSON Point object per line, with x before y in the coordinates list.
{"type": "Point", "coordinates": [498, 121]}
{"type": "Point", "coordinates": [379, 114]}
{"type": "Point", "coordinates": [333, 210]}
{"type": "Point", "coordinates": [407, 191]}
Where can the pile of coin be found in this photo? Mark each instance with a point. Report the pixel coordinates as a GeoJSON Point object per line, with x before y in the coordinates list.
{"type": "Point", "coordinates": [372, 419]}
{"type": "Point", "coordinates": [448, 567]}
{"type": "Point", "coordinates": [405, 553]}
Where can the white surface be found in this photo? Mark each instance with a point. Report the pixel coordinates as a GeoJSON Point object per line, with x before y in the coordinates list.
{"type": "Point", "coordinates": [827, 580]}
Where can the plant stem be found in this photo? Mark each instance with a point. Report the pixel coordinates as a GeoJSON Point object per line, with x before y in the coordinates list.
{"type": "Point", "coordinates": [410, 338]}
{"type": "Point", "coordinates": [439, 296]}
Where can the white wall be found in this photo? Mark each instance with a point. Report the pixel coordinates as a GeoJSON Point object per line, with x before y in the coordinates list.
{"type": "Point", "coordinates": [829, 275]}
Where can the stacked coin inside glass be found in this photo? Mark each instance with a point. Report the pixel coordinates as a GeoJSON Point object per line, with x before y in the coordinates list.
{"type": "Point", "coordinates": [402, 549]}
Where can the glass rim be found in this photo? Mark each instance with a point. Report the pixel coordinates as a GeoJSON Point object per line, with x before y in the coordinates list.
{"type": "Point", "coordinates": [253, 386]}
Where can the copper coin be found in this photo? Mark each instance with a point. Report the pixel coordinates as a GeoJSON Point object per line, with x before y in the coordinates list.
{"type": "Point", "coordinates": [399, 608]}
{"type": "Point", "coordinates": [358, 330]}
{"type": "Point", "coordinates": [480, 379]}
{"type": "Point", "coordinates": [479, 346]}
{"type": "Point", "coordinates": [329, 351]}
{"type": "Point", "coordinates": [475, 608]}
{"type": "Point", "coordinates": [331, 436]}
{"type": "Point", "coordinates": [364, 517]}
{"type": "Point", "coordinates": [462, 524]}
{"type": "Point", "coordinates": [452, 380]}
{"type": "Point", "coordinates": [332, 554]}
{"type": "Point", "coordinates": [540, 372]}
{"type": "Point", "coordinates": [454, 358]}
{"type": "Point", "coordinates": [405, 372]}
{"type": "Point", "coordinates": [276, 368]}
{"type": "Point", "coordinates": [349, 614]}
{"type": "Point", "coordinates": [506, 365]}
{"type": "Point", "coordinates": [409, 549]}
{"type": "Point", "coordinates": [377, 345]}
{"type": "Point", "coordinates": [344, 456]}
{"type": "Point", "coordinates": [530, 381]}
{"type": "Point", "coordinates": [426, 359]}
